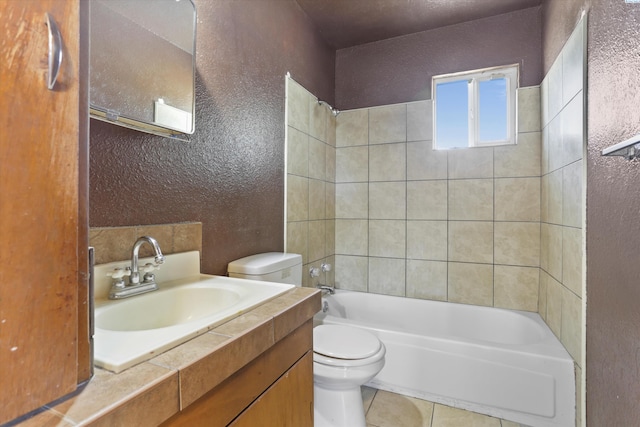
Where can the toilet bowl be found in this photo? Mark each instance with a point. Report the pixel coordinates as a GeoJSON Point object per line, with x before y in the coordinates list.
{"type": "Point", "coordinates": [344, 357]}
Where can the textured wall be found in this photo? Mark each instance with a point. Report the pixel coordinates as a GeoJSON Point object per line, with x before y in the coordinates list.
{"type": "Point", "coordinates": [559, 18]}
{"type": "Point", "coordinates": [400, 69]}
{"type": "Point", "coordinates": [613, 204]}
{"type": "Point", "coordinates": [230, 175]}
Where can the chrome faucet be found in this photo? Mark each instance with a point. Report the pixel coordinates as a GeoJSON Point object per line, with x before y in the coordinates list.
{"type": "Point", "coordinates": [135, 287]}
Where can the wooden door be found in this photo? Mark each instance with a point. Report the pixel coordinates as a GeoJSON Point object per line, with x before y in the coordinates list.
{"type": "Point", "coordinates": [41, 220]}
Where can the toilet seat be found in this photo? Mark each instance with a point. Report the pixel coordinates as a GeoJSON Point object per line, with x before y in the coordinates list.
{"type": "Point", "coordinates": [340, 345]}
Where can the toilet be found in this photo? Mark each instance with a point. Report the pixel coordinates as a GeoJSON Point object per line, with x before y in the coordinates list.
{"type": "Point", "coordinates": [344, 357]}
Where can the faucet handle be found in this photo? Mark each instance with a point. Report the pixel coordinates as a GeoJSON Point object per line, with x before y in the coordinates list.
{"type": "Point", "coordinates": [148, 267]}
{"type": "Point", "coordinates": [118, 273]}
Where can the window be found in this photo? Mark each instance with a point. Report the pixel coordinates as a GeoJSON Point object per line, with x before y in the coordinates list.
{"type": "Point", "coordinates": [475, 108]}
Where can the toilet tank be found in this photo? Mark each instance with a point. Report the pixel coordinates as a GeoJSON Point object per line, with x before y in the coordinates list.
{"type": "Point", "coordinates": [271, 267]}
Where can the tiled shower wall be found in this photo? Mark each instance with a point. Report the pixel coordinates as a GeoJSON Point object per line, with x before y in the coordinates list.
{"type": "Point", "coordinates": [310, 186]}
{"type": "Point", "coordinates": [457, 225]}
{"type": "Point", "coordinates": [563, 195]}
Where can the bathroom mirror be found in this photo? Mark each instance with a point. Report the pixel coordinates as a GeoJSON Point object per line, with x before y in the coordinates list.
{"type": "Point", "coordinates": [142, 65]}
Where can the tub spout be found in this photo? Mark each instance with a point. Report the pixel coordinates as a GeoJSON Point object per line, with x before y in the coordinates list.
{"type": "Point", "coordinates": [326, 289]}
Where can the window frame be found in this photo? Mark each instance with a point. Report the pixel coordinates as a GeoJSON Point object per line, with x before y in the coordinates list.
{"type": "Point", "coordinates": [512, 75]}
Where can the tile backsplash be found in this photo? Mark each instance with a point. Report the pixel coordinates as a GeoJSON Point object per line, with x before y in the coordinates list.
{"type": "Point", "coordinates": [115, 243]}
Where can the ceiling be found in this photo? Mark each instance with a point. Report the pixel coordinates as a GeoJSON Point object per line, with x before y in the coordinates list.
{"type": "Point", "coordinates": [345, 23]}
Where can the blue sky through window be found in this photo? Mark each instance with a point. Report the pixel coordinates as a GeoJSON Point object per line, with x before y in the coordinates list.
{"type": "Point", "coordinates": [452, 120]}
{"type": "Point", "coordinates": [493, 110]}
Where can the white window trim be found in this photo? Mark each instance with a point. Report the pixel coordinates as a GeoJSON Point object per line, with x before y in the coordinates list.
{"type": "Point", "coordinates": [511, 72]}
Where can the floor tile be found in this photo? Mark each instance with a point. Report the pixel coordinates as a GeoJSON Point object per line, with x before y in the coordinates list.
{"type": "Point", "coordinates": [445, 416]}
{"type": "Point", "coordinates": [393, 410]}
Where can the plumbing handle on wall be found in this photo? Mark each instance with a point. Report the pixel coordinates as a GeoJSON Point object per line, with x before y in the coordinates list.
{"type": "Point", "coordinates": [325, 267]}
{"type": "Point", "coordinates": [314, 272]}
{"type": "Point", "coordinates": [55, 51]}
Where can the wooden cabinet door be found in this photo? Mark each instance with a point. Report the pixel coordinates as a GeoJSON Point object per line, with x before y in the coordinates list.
{"type": "Point", "coordinates": [287, 403]}
{"type": "Point", "coordinates": [41, 222]}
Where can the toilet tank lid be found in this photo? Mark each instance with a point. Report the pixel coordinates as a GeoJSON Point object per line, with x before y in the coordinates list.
{"type": "Point", "coordinates": [264, 263]}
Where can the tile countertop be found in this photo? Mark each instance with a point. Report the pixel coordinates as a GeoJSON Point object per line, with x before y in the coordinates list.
{"type": "Point", "coordinates": [149, 393]}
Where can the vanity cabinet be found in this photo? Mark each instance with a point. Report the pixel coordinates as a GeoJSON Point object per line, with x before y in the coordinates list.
{"type": "Point", "coordinates": [275, 389]}
{"type": "Point", "coordinates": [43, 208]}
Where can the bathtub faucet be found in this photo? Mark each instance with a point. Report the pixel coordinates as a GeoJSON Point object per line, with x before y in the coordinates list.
{"type": "Point", "coordinates": [326, 289]}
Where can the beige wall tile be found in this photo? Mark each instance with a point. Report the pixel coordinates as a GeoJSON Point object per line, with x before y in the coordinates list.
{"type": "Point", "coordinates": [387, 238]}
{"type": "Point", "coordinates": [572, 195]}
{"type": "Point", "coordinates": [112, 243]}
{"type": "Point", "coordinates": [352, 164]}
{"type": "Point", "coordinates": [331, 130]}
{"type": "Point", "coordinates": [554, 95]}
{"type": "Point", "coordinates": [352, 200]}
{"type": "Point", "coordinates": [542, 294]}
{"type": "Point", "coordinates": [471, 199]}
{"type": "Point", "coordinates": [298, 239]}
{"type": "Point", "coordinates": [316, 240]}
{"type": "Point", "coordinates": [352, 237]}
{"type": "Point", "coordinates": [298, 100]}
{"type": "Point", "coordinates": [572, 253]}
{"type": "Point", "coordinates": [544, 198]}
{"type": "Point", "coordinates": [420, 121]}
{"type": "Point", "coordinates": [545, 239]}
{"type": "Point", "coordinates": [427, 279]}
{"type": "Point", "coordinates": [318, 117]}
{"type": "Point", "coordinates": [330, 164]}
{"type": "Point", "coordinates": [522, 159]}
{"type": "Point", "coordinates": [470, 163]}
{"type": "Point", "coordinates": [423, 162]}
{"type": "Point", "coordinates": [572, 323]}
{"type": "Point", "coordinates": [555, 252]}
{"type": "Point", "coordinates": [330, 200]}
{"type": "Point", "coordinates": [387, 200]}
{"type": "Point", "coordinates": [352, 273]}
{"type": "Point", "coordinates": [554, 197]}
{"type": "Point", "coordinates": [573, 63]}
{"type": "Point", "coordinates": [187, 237]}
{"type": "Point", "coordinates": [554, 305]}
{"type": "Point", "coordinates": [297, 198]}
{"type": "Point", "coordinates": [544, 164]}
{"type": "Point", "coordinates": [470, 283]}
{"type": "Point", "coordinates": [388, 124]}
{"type": "Point", "coordinates": [352, 128]}
{"type": "Point", "coordinates": [517, 243]}
{"type": "Point", "coordinates": [330, 239]}
{"type": "Point", "coordinates": [573, 131]}
{"type": "Point", "coordinates": [387, 276]}
{"type": "Point", "coordinates": [555, 143]}
{"type": "Point", "coordinates": [297, 152]}
{"type": "Point", "coordinates": [471, 241]}
{"type": "Point", "coordinates": [317, 158]}
{"type": "Point", "coordinates": [516, 287]}
{"type": "Point", "coordinates": [388, 162]}
{"type": "Point", "coordinates": [529, 109]}
{"type": "Point", "coordinates": [317, 196]}
{"type": "Point", "coordinates": [427, 199]}
{"type": "Point", "coordinates": [427, 240]}
{"type": "Point", "coordinates": [517, 199]}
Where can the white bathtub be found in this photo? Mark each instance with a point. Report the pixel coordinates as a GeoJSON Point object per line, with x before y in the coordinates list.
{"type": "Point", "coordinates": [503, 363]}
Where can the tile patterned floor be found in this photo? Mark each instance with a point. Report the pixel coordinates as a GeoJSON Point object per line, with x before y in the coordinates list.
{"type": "Point", "coordinates": [385, 409]}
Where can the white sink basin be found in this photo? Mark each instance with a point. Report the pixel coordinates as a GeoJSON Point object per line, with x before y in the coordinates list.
{"type": "Point", "coordinates": [138, 328]}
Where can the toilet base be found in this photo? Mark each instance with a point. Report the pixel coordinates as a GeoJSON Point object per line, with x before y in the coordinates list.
{"type": "Point", "coordinates": [338, 408]}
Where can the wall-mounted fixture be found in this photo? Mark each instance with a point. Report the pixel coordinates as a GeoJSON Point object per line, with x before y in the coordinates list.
{"type": "Point", "coordinates": [629, 149]}
{"type": "Point", "coordinates": [142, 66]}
